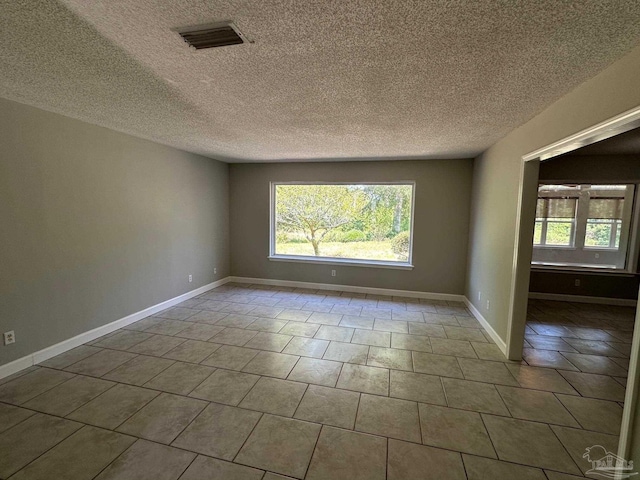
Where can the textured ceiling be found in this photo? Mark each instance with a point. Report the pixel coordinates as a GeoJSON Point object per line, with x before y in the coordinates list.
{"type": "Point", "coordinates": [327, 79]}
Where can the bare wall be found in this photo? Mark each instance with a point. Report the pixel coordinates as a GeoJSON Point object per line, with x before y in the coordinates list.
{"type": "Point", "coordinates": [97, 225]}
{"type": "Point", "coordinates": [497, 171]}
{"type": "Point", "coordinates": [441, 222]}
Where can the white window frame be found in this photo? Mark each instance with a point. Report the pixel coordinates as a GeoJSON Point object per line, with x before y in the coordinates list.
{"type": "Point", "coordinates": [408, 265]}
{"type": "Point", "coordinates": [543, 254]}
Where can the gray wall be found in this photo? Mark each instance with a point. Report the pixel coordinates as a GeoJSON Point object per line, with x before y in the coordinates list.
{"type": "Point", "coordinates": [441, 223]}
{"type": "Point", "coordinates": [497, 175]}
{"type": "Point", "coordinates": [97, 225]}
{"type": "Point", "coordinates": [585, 169]}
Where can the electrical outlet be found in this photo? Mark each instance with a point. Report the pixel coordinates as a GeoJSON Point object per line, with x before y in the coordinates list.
{"type": "Point", "coordinates": [577, 282]}
{"type": "Point", "coordinates": [597, 255]}
{"type": "Point", "coordinates": [479, 295]}
{"type": "Point", "coordinates": [215, 270]}
{"type": "Point", "coordinates": [9, 337]}
{"type": "Point", "coordinates": [190, 278]}
{"type": "Point", "coordinates": [488, 304]}
{"type": "Point", "coordinates": [333, 273]}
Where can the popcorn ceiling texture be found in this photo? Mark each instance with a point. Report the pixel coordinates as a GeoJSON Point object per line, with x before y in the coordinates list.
{"type": "Point", "coordinates": [344, 79]}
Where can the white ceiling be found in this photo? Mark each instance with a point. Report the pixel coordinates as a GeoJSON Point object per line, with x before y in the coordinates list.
{"type": "Point", "coordinates": [343, 79]}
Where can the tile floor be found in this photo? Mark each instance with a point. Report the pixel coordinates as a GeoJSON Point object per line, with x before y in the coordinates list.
{"type": "Point", "coordinates": [255, 382]}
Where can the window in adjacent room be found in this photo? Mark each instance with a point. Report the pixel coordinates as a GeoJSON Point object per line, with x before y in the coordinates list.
{"type": "Point", "coordinates": [361, 223]}
{"type": "Point", "coordinates": [583, 225]}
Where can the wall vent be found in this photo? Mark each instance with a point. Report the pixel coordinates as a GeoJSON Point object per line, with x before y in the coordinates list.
{"type": "Point", "coordinates": [213, 35]}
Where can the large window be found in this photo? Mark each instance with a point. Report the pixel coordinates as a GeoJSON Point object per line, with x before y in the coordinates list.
{"type": "Point", "coordinates": [352, 223]}
{"type": "Point", "coordinates": [583, 225]}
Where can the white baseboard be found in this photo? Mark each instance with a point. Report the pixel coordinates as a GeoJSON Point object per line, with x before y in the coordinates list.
{"type": "Point", "coordinates": [349, 288]}
{"type": "Point", "coordinates": [583, 299]}
{"type": "Point", "coordinates": [483, 321]}
{"type": "Point", "coordinates": [58, 348]}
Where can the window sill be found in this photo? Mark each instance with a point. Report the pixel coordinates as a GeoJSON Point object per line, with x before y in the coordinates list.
{"type": "Point", "coordinates": [578, 269]}
{"type": "Point", "coordinates": [346, 262]}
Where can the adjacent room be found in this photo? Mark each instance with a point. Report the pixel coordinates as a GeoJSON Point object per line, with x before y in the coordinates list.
{"type": "Point", "coordinates": [319, 240]}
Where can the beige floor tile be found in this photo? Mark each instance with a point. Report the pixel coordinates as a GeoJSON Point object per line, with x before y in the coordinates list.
{"type": "Point", "coordinates": [176, 313]}
{"type": "Point", "coordinates": [394, 326]}
{"type": "Point", "coordinates": [407, 316]}
{"type": "Point", "coordinates": [544, 342]}
{"type": "Point", "coordinates": [347, 352]}
{"type": "Point", "coordinates": [230, 357]}
{"type": "Point", "coordinates": [576, 441]}
{"type": "Point", "coordinates": [457, 348]}
{"type": "Point", "coordinates": [163, 418]}
{"type": "Point", "coordinates": [275, 396]}
{"type": "Point", "coordinates": [528, 443]}
{"type": "Point", "coordinates": [462, 333]}
{"type": "Point", "coordinates": [560, 476]}
{"type": "Point", "coordinates": [377, 313]}
{"type": "Point", "coordinates": [411, 342]}
{"type": "Point", "coordinates": [235, 320]}
{"type": "Point", "coordinates": [31, 438]}
{"type": "Point", "coordinates": [81, 456]}
{"type": "Point", "coordinates": [416, 386]}
{"type": "Point", "coordinates": [148, 461]}
{"type": "Point", "coordinates": [475, 396]}
{"type": "Point", "coordinates": [193, 351]}
{"type": "Point", "coordinates": [536, 406]}
{"type": "Point", "coordinates": [390, 358]}
{"type": "Point", "coordinates": [114, 406]}
{"type": "Point", "coordinates": [595, 386]}
{"type": "Point", "coordinates": [66, 397]}
{"type": "Point", "coordinates": [487, 371]}
{"type": "Point", "coordinates": [24, 388]}
{"type": "Point", "coordinates": [234, 336]}
{"type": "Point", "coordinates": [329, 406]}
{"type": "Point", "coordinates": [306, 347]}
{"type": "Point", "coordinates": [440, 319]}
{"type": "Point", "coordinates": [325, 318]}
{"type": "Point", "coordinates": [427, 329]}
{"type": "Point", "coordinates": [273, 342]}
{"type": "Point", "coordinates": [123, 340]}
{"type": "Point", "coordinates": [338, 334]}
{"type": "Point", "coordinates": [598, 415]}
{"type": "Point", "coordinates": [225, 386]}
{"type": "Point", "coordinates": [596, 364]}
{"type": "Point", "coordinates": [207, 316]}
{"type": "Point", "coordinates": [316, 371]}
{"type": "Point", "coordinates": [280, 445]}
{"type": "Point", "coordinates": [539, 378]}
{"type": "Point", "coordinates": [488, 351]}
{"type": "Point", "coordinates": [441, 365]}
{"type": "Point", "coordinates": [454, 429]}
{"type": "Point", "coordinates": [200, 331]}
{"type": "Point", "coordinates": [360, 378]}
{"type": "Point", "coordinates": [486, 469]}
{"type": "Point", "coordinates": [239, 308]}
{"type": "Point", "coordinates": [546, 358]}
{"type": "Point", "coordinates": [342, 454]}
{"type": "Point", "coordinates": [139, 370]}
{"type": "Point", "coordinates": [294, 315]}
{"type": "Point", "coordinates": [364, 323]}
{"type": "Point", "coordinates": [168, 327]}
{"type": "Point", "coordinates": [219, 431]}
{"type": "Point", "coordinates": [370, 337]}
{"type": "Point", "coordinates": [266, 311]}
{"type": "Point", "coordinates": [300, 329]}
{"type": "Point", "coordinates": [180, 378]}
{"type": "Point", "coordinates": [593, 347]}
{"type": "Point", "coordinates": [214, 469]}
{"type": "Point", "coordinates": [72, 356]}
{"type": "Point", "coordinates": [389, 417]}
{"type": "Point", "coordinates": [11, 415]}
{"type": "Point", "coordinates": [157, 345]}
{"type": "Point", "coordinates": [272, 364]}
{"type": "Point", "coordinates": [407, 460]}
{"type": "Point", "coordinates": [20, 373]}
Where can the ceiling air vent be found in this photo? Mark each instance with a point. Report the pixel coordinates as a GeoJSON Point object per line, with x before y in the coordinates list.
{"type": "Point", "coordinates": [212, 35]}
